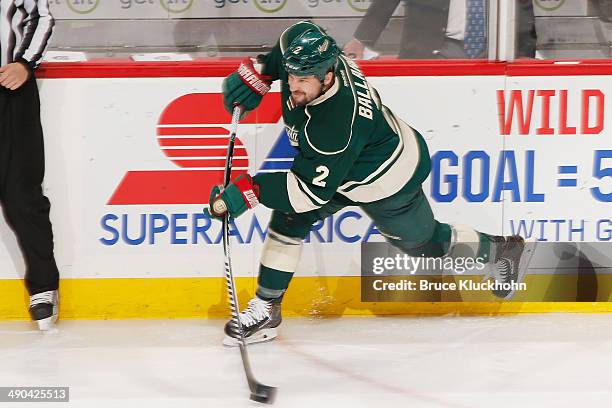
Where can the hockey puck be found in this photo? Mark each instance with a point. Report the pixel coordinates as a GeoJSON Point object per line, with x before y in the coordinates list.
{"type": "Point", "coordinates": [265, 394]}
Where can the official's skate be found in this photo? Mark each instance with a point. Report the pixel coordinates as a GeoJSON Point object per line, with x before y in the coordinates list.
{"type": "Point", "coordinates": [43, 309]}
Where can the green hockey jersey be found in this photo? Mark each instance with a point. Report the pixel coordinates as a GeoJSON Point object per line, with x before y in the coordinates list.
{"type": "Point", "coordinates": [349, 143]}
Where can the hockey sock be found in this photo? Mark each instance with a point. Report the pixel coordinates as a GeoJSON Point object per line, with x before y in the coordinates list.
{"type": "Point", "coordinates": [272, 283]}
{"type": "Point", "coordinates": [468, 242]}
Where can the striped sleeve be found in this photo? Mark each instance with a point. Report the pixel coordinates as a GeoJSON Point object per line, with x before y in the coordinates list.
{"type": "Point", "coordinates": [37, 29]}
{"type": "Point", "coordinates": [309, 185]}
{"type": "Point", "coordinates": [287, 192]}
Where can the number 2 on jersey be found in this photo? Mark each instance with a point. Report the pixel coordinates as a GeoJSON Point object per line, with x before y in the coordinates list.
{"type": "Point", "coordinates": [320, 179]}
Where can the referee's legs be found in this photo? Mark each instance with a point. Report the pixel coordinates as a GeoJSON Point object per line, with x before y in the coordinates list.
{"type": "Point", "coordinates": [21, 175]}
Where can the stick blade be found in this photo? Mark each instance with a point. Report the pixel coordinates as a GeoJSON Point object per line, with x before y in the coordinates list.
{"type": "Point", "coordinates": [263, 393]}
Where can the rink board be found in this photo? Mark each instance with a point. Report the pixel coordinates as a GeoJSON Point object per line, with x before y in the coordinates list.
{"type": "Point", "coordinates": [309, 297]}
{"type": "Point", "coordinates": [128, 173]}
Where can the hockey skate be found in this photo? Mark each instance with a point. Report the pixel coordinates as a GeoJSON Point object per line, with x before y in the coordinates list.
{"type": "Point", "coordinates": [259, 321]}
{"type": "Point", "coordinates": [43, 309]}
{"type": "Point", "coordinates": [514, 256]}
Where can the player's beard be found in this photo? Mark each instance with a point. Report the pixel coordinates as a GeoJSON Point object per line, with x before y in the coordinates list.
{"type": "Point", "coordinates": [299, 98]}
{"type": "Point", "coordinates": [303, 99]}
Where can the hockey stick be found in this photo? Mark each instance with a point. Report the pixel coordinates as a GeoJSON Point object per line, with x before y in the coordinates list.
{"type": "Point", "coordinates": [259, 392]}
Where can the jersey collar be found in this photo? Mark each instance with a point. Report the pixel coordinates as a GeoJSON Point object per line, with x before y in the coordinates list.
{"type": "Point", "coordinates": [330, 92]}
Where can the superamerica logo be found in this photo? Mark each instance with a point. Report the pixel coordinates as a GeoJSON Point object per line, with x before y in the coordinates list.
{"type": "Point", "coordinates": [193, 132]}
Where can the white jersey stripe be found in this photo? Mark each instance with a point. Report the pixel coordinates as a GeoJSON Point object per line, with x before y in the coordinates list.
{"type": "Point", "coordinates": [309, 192]}
{"type": "Point", "coordinates": [395, 177]}
{"type": "Point", "coordinates": [298, 199]}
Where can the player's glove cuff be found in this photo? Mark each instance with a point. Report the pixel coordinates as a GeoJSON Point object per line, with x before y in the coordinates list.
{"type": "Point", "coordinates": [239, 196]}
{"type": "Point", "coordinates": [259, 83]}
{"type": "Point", "coordinates": [245, 87]}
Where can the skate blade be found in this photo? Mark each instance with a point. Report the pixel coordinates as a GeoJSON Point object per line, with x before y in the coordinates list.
{"type": "Point", "coordinates": [260, 337]}
{"type": "Point", "coordinates": [47, 324]}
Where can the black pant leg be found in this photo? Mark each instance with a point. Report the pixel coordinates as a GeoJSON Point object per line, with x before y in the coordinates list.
{"type": "Point", "coordinates": [21, 176]}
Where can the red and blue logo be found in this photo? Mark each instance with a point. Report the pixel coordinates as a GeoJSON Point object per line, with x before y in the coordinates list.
{"type": "Point", "coordinates": [193, 133]}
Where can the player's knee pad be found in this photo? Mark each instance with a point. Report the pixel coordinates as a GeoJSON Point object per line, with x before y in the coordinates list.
{"type": "Point", "coordinates": [430, 249]}
{"type": "Point", "coordinates": [281, 252]}
{"type": "Point", "coordinates": [291, 225]}
{"type": "Point", "coordinates": [436, 245]}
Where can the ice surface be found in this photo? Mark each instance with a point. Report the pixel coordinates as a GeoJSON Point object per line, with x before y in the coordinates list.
{"type": "Point", "coordinates": [553, 360]}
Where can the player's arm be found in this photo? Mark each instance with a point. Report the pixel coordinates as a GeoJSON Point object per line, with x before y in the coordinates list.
{"type": "Point", "coordinates": [312, 181]}
{"type": "Point", "coordinates": [309, 185]}
{"type": "Point", "coordinates": [330, 144]}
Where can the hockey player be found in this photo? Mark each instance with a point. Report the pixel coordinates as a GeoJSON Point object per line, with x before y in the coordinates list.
{"type": "Point", "coordinates": [352, 151]}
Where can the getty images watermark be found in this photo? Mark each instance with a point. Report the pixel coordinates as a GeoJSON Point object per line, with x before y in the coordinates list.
{"type": "Point", "coordinates": [391, 275]}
